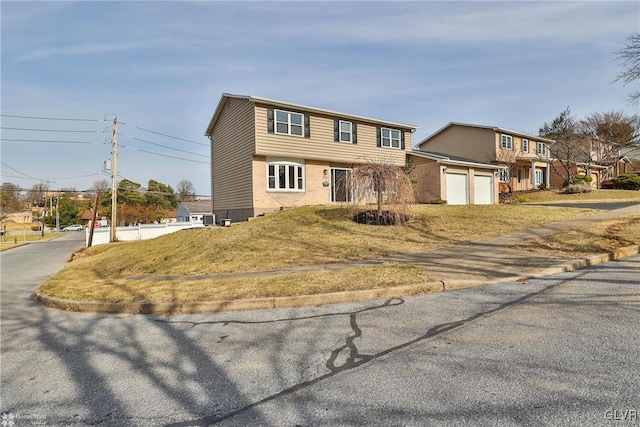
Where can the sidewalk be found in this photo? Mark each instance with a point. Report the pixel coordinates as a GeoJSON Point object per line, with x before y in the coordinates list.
{"type": "Point", "coordinates": [469, 264]}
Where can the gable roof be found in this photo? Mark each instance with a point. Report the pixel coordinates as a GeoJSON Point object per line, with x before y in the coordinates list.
{"type": "Point", "coordinates": [283, 104]}
{"type": "Point", "coordinates": [493, 128]}
{"type": "Point", "coordinates": [196, 207]}
{"type": "Point", "coordinates": [448, 159]}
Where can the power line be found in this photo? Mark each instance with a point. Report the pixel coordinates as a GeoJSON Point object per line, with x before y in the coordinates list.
{"type": "Point", "coordinates": [50, 130]}
{"type": "Point", "coordinates": [17, 171]}
{"type": "Point", "coordinates": [168, 136]}
{"type": "Point", "coordinates": [49, 118]}
{"type": "Point", "coordinates": [164, 155]}
{"type": "Point", "coordinates": [167, 147]}
{"type": "Point", "coordinates": [49, 141]}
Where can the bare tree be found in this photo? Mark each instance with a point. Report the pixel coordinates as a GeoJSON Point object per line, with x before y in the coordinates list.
{"type": "Point", "coordinates": [612, 127]}
{"type": "Point", "coordinates": [629, 56]}
{"type": "Point", "coordinates": [101, 186]}
{"type": "Point", "coordinates": [186, 191]}
{"type": "Point", "coordinates": [38, 193]}
{"type": "Point", "coordinates": [508, 158]}
{"type": "Point", "coordinates": [383, 182]}
{"type": "Point", "coordinates": [570, 147]}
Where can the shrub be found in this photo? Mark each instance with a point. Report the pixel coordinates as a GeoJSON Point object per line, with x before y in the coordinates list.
{"type": "Point", "coordinates": [588, 179]}
{"type": "Point", "coordinates": [628, 181]}
{"type": "Point", "coordinates": [606, 184]}
{"type": "Point", "coordinates": [576, 188]}
{"type": "Point", "coordinates": [437, 201]}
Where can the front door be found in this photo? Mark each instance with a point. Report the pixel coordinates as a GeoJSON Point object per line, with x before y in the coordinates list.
{"type": "Point", "coordinates": [341, 185]}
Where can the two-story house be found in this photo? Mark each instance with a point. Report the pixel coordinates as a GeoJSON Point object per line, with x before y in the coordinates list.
{"type": "Point", "coordinates": [268, 154]}
{"type": "Point", "coordinates": [525, 159]}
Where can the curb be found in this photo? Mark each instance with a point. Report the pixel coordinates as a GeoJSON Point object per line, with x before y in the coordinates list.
{"type": "Point", "coordinates": [235, 305]}
{"type": "Point", "coordinates": [174, 308]}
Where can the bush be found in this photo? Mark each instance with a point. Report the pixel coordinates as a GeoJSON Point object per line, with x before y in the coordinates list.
{"type": "Point", "coordinates": [607, 184]}
{"type": "Point", "coordinates": [576, 188]}
{"type": "Point", "coordinates": [437, 201]}
{"type": "Point", "coordinates": [588, 179]}
{"type": "Point", "coordinates": [628, 181]}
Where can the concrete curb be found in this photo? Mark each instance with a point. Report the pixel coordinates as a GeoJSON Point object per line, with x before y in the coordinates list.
{"type": "Point", "coordinates": [175, 308]}
{"type": "Point", "coordinates": [235, 305]}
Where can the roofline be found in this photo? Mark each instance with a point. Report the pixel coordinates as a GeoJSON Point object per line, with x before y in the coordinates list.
{"type": "Point", "coordinates": [493, 128]}
{"type": "Point", "coordinates": [276, 103]}
{"type": "Point", "coordinates": [447, 161]}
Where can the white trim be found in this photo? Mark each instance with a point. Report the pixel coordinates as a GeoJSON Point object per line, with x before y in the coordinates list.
{"type": "Point", "coordinates": [391, 138]}
{"type": "Point", "coordinates": [289, 123]}
{"type": "Point", "coordinates": [525, 140]}
{"type": "Point", "coordinates": [506, 142]}
{"type": "Point", "coordinates": [299, 174]}
{"type": "Point", "coordinates": [340, 122]}
{"type": "Point", "coordinates": [447, 161]}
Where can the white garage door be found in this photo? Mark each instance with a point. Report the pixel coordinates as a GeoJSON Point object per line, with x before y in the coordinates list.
{"type": "Point", "coordinates": [457, 189]}
{"type": "Point", "coordinates": [483, 190]}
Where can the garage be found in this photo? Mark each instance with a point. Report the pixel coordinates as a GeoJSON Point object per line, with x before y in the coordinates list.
{"type": "Point", "coordinates": [483, 190]}
{"type": "Point", "coordinates": [457, 189]}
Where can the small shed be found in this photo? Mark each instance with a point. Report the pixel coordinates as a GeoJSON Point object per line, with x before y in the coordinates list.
{"type": "Point", "coordinates": [193, 211]}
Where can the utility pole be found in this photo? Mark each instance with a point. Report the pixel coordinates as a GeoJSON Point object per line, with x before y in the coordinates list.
{"type": "Point", "coordinates": [114, 178]}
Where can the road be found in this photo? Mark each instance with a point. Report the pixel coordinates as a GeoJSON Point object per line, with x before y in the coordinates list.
{"type": "Point", "coordinates": [561, 350]}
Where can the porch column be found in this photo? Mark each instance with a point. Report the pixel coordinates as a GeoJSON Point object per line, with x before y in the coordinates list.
{"type": "Point", "coordinates": [548, 176]}
{"type": "Point", "coordinates": [532, 175]}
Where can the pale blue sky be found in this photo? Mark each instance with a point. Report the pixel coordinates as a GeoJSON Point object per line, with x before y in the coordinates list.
{"type": "Point", "coordinates": [162, 66]}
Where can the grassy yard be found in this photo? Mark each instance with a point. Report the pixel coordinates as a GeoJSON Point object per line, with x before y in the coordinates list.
{"type": "Point", "coordinates": [180, 266]}
{"type": "Point", "coordinates": [15, 239]}
{"type": "Point", "coordinates": [594, 196]}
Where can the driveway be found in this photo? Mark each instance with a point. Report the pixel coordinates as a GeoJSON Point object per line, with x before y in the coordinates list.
{"type": "Point", "coordinates": [556, 351]}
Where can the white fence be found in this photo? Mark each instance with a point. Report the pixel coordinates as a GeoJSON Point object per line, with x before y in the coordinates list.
{"type": "Point", "coordinates": [102, 235]}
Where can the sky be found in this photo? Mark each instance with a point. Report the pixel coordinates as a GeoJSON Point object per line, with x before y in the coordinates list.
{"type": "Point", "coordinates": [161, 68]}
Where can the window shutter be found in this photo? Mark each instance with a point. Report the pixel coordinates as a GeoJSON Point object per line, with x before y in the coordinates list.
{"type": "Point", "coordinates": [270, 120]}
{"type": "Point", "coordinates": [336, 130]}
{"type": "Point", "coordinates": [354, 132]}
{"type": "Point", "coordinates": [378, 137]}
{"type": "Point", "coordinates": [307, 130]}
{"type": "Point", "coordinates": [402, 140]}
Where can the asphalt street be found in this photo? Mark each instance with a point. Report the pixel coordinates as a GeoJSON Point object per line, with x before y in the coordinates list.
{"type": "Point", "coordinates": [556, 351]}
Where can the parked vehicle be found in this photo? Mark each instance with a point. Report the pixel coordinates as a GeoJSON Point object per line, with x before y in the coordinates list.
{"type": "Point", "coordinates": [75, 227]}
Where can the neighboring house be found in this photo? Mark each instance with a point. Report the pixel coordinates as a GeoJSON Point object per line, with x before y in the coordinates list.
{"type": "Point", "coordinates": [458, 180]}
{"type": "Point", "coordinates": [629, 160]}
{"type": "Point", "coordinates": [192, 211]}
{"type": "Point", "coordinates": [267, 155]}
{"type": "Point", "coordinates": [524, 158]}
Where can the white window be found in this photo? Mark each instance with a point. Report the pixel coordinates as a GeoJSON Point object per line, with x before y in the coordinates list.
{"type": "Point", "coordinates": [288, 123]}
{"type": "Point", "coordinates": [525, 145]}
{"type": "Point", "coordinates": [505, 175]}
{"type": "Point", "coordinates": [539, 176]}
{"type": "Point", "coordinates": [346, 131]}
{"type": "Point", "coordinates": [390, 138]}
{"type": "Point", "coordinates": [542, 149]}
{"type": "Point", "coordinates": [285, 176]}
{"type": "Point", "coordinates": [506, 142]}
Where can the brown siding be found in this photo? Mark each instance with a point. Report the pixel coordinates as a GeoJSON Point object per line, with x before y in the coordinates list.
{"type": "Point", "coordinates": [470, 142]}
{"type": "Point", "coordinates": [231, 155]}
{"type": "Point", "coordinates": [321, 144]}
{"type": "Point", "coordinates": [428, 178]}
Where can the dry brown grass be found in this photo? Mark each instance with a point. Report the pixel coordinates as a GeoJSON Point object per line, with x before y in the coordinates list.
{"type": "Point", "coordinates": [64, 285]}
{"type": "Point", "coordinates": [294, 237]}
{"type": "Point", "coordinates": [552, 196]}
{"type": "Point", "coordinates": [601, 237]}
{"type": "Point", "coordinates": [309, 235]}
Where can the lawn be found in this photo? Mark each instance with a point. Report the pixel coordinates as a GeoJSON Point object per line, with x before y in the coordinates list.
{"type": "Point", "coordinates": [183, 266]}
{"type": "Point", "coordinates": [593, 196]}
